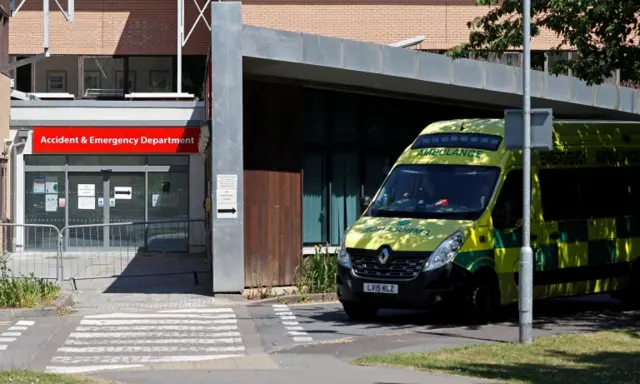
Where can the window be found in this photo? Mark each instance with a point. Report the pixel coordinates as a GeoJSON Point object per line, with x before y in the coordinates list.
{"type": "Point", "coordinates": [314, 200]}
{"type": "Point", "coordinates": [508, 208]}
{"type": "Point", "coordinates": [345, 193]}
{"type": "Point", "coordinates": [578, 194]}
{"type": "Point", "coordinates": [436, 191]}
{"type": "Point", "coordinates": [44, 205]}
{"type": "Point", "coordinates": [57, 81]}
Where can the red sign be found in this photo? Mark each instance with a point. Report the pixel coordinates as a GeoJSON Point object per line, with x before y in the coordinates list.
{"type": "Point", "coordinates": [119, 140]}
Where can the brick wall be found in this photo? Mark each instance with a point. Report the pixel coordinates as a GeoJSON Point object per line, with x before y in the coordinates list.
{"type": "Point", "coordinates": [442, 22]}
{"type": "Point", "coordinates": [147, 27]}
{"type": "Point", "coordinates": [108, 27]}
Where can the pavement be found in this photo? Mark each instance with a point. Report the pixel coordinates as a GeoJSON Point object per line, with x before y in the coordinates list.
{"type": "Point", "coordinates": [183, 334]}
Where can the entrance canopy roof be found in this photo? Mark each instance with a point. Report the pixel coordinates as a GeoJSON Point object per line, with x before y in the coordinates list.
{"type": "Point", "coordinates": [333, 61]}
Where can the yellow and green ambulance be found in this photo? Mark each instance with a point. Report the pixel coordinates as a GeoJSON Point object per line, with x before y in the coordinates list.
{"type": "Point", "coordinates": [445, 226]}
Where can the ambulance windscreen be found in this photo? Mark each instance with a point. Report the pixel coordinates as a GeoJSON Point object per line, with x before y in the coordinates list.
{"type": "Point", "coordinates": [458, 140]}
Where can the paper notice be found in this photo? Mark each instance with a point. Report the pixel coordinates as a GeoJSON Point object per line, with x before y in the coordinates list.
{"type": "Point", "coordinates": [51, 202]}
{"type": "Point", "coordinates": [51, 184]}
{"type": "Point", "coordinates": [62, 202]}
{"type": "Point", "coordinates": [88, 190]}
{"type": "Point", "coordinates": [155, 199]}
{"type": "Point", "coordinates": [85, 202]}
{"type": "Point", "coordinates": [38, 186]}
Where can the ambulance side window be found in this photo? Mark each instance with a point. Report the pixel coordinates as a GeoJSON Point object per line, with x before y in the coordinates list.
{"type": "Point", "coordinates": [508, 208]}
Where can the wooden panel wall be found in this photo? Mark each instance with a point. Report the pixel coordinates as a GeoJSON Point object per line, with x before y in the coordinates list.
{"type": "Point", "coordinates": [272, 183]}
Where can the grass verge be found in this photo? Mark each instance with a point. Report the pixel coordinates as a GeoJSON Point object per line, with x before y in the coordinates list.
{"type": "Point", "coordinates": [317, 273]}
{"type": "Point", "coordinates": [29, 377]}
{"type": "Point", "coordinates": [600, 357]}
{"type": "Point", "coordinates": [24, 291]}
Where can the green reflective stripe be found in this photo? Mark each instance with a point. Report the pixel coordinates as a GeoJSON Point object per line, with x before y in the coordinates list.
{"type": "Point", "coordinates": [602, 252]}
{"type": "Point", "coordinates": [573, 231]}
{"type": "Point", "coordinates": [507, 240]}
{"type": "Point", "coordinates": [627, 227]}
{"type": "Point", "coordinates": [546, 257]}
{"type": "Point", "coordinates": [474, 260]}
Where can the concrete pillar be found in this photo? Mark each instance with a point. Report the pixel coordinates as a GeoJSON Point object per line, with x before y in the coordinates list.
{"type": "Point", "coordinates": [226, 148]}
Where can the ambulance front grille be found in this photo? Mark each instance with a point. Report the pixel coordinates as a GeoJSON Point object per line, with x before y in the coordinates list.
{"type": "Point", "coordinates": [367, 265]}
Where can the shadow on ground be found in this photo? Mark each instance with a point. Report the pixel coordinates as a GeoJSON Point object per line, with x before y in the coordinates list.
{"type": "Point", "coordinates": [597, 368]}
{"type": "Point", "coordinates": [579, 314]}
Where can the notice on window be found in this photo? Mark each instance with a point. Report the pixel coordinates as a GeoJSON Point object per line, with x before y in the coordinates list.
{"type": "Point", "coordinates": [86, 202]}
{"type": "Point", "coordinates": [100, 202]}
{"type": "Point", "coordinates": [51, 184]}
{"type": "Point", "coordinates": [87, 190]}
{"type": "Point", "coordinates": [62, 202]}
{"type": "Point", "coordinates": [155, 199]}
{"type": "Point", "coordinates": [51, 202]}
{"type": "Point", "coordinates": [39, 185]}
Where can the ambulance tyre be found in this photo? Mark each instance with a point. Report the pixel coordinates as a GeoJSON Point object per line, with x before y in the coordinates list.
{"type": "Point", "coordinates": [630, 296]}
{"type": "Point", "coordinates": [359, 311]}
{"type": "Point", "coordinates": [482, 296]}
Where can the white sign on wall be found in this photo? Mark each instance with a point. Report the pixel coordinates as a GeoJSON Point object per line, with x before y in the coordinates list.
{"type": "Point", "coordinates": [122, 193]}
{"type": "Point", "coordinates": [227, 196]}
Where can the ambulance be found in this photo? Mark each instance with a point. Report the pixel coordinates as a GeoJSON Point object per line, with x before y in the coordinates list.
{"type": "Point", "coordinates": [444, 230]}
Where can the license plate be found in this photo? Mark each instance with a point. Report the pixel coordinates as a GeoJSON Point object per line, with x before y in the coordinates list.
{"type": "Point", "coordinates": [381, 288]}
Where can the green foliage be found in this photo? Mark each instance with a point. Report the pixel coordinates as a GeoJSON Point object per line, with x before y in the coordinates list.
{"type": "Point", "coordinates": [317, 273]}
{"type": "Point", "coordinates": [24, 291]}
{"type": "Point", "coordinates": [604, 33]}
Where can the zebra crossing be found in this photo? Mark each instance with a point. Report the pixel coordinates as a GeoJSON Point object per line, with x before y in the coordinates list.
{"type": "Point", "coordinates": [13, 332]}
{"type": "Point", "coordinates": [130, 340]}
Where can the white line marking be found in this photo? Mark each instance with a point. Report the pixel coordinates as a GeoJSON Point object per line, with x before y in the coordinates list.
{"type": "Point", "coordinates": [230, 340]}
{"type": "Point", "coordinates": [17, 328]}
{"type": "Point", "coordinates": [89, 368]}
{"type": "Point", "coordinates": [287, 317]}
{"type": "Point", "coordinates": [10, 334]}
{"type": "Point", "coordinates": [162, 335]}
{"type": "Point", "coordinates": [290, 323]}
{"type": "Point", "coordinates": [26, 322]}
{"type": "Point", "coordinates": [199, 310]}
{"type": "Point", "coordinates": [105, 359]}
{"type": "Point", "coordinates": [298, 333]}
{"type": "Point", "coordinates": [283, 309]}
{"type": "Point", "coordinates": [159, 316]}
{"type": "Point", "coordinates": [150, 349]}
{"type": "Point", "coordinates": [298, 328]}
{"type": "Point", "coordinates": [158, 322]}
{"type": "Point", "coordinates": [301, 339]}
{"type": "Point", "coordinates": [280, 306]}
{"type": "Point", "coordinates": [3, 347]}
{"type": "Point", "coordinates": [133, 328]}
{"type": "Point", "coordinates": [7, 339]}
{"type": "Point", "coordinates": [285, 314]}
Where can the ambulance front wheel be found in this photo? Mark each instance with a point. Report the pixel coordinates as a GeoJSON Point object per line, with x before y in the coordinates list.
{"type": "Point", "coordinates": [360, 311]}
{"type": "Point", "coordinates": [482, 297]}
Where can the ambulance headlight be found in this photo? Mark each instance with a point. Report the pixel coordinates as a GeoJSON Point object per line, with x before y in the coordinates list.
{"type": "Point", "coordinates": [343, 256]}
{"type": "Point", "coordinates": [445, 252]}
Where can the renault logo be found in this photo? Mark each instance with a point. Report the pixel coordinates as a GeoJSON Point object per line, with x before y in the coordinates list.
{"type": "Point", "coordinates": [383, 256]}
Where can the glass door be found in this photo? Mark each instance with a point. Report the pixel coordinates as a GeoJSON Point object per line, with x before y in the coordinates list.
{"type": "Point", "coordinates": [125, 203]}
{"type": "Point", "coordinates": [85, 189]}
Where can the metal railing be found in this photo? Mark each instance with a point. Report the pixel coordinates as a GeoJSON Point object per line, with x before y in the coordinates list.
{"type": "Point", "coordinates": [31, 249]}
{"type": "Point", "coordinates": [89, 251]}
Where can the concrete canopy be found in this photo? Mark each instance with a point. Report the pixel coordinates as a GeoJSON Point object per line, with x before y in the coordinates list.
{"type": "Point", "coordinates": [320, 59]}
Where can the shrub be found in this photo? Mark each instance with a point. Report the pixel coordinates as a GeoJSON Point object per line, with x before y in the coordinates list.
{"type": "Point", "coordinates": [23, 291]}
{"type": "Point", "coordinates": [317, 273]}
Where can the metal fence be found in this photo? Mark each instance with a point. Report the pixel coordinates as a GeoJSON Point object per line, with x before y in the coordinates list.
{"type": "Point", "coordinates": [36, 253]}
{"type": "Point", "coordinates": [106, 250]}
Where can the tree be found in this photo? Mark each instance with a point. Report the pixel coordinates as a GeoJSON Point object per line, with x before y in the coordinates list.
{"type": "Point", "coordinates": [605, 34]}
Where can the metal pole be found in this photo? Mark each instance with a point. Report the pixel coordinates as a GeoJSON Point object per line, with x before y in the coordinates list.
{"type": "Point", "coordinates": [45, 24]}
{"type": "Point", "coordinates": [180, 34]}
{"type": "Point", "coordinates": [526, 253]}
